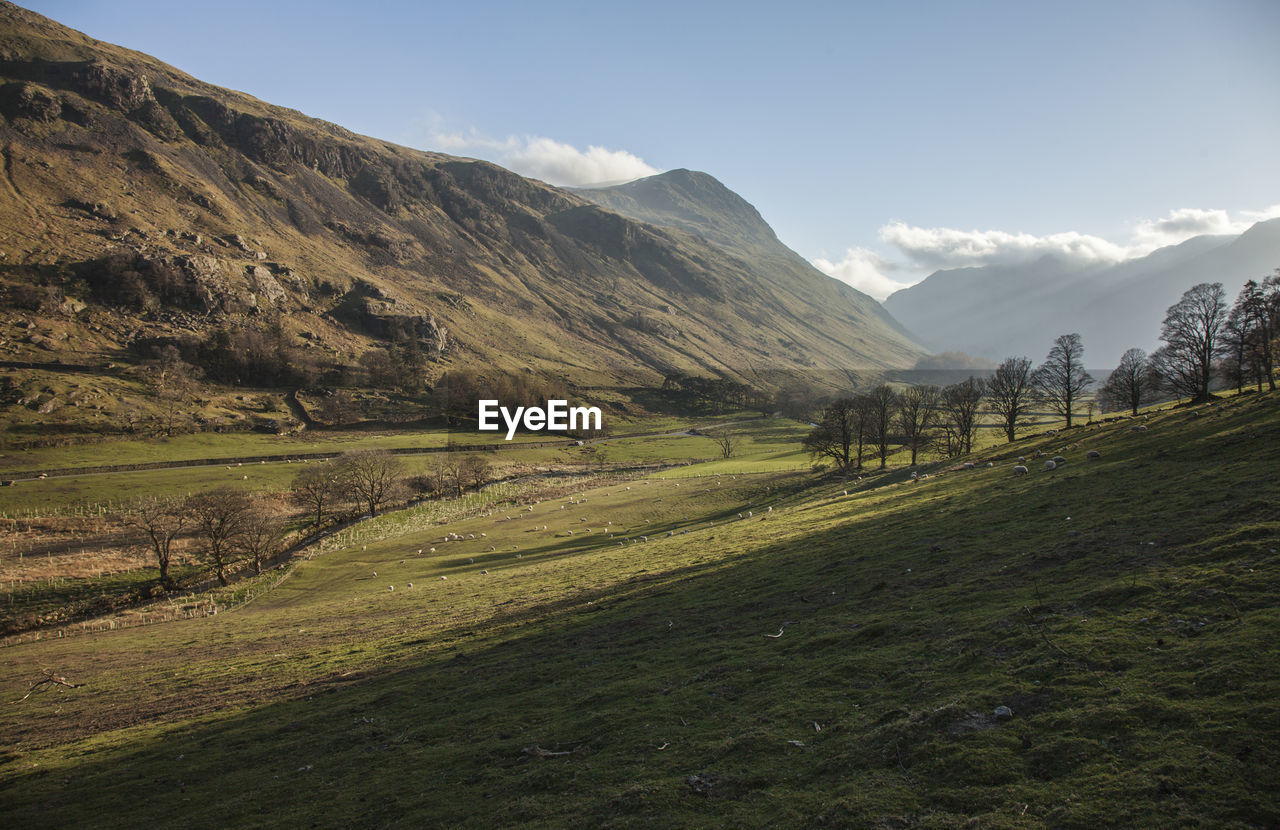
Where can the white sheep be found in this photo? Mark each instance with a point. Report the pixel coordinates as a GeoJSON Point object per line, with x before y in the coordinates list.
{"type": "Point", "coordinates": [1049, 465]}
{"type": "Point", "coordinates": [1019, 470]}
{"type": "Point", "coordinates": [1093, 454]}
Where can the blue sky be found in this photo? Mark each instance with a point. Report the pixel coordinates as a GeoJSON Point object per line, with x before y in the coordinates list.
{"type": "Point", "coordinates": [880, 140]}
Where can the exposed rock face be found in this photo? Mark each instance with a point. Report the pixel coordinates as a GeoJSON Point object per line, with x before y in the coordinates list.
{"type": "Point", "coordinates": [264, 286]}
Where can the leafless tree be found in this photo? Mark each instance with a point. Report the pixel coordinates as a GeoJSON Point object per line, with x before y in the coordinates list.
{"type": "Point", "coordinates": [1062, 379]}
{"type": "Point", "coordinates": [1129, 384]}
{"type": "Point", "coordinates": [476, 470]}
{"type": "Point", "coordinates": [835, 435]}
{"type": "Point", "coordinates": [726, 440]}
{"type": "Point", "coordinates": [161, 521]}
{"type": "Point", "coordinates": [1252, 327]}
{"type": "Point", "coordinates": [319, 488]}
{"type": "Point", "coordinates": [169, 380]}
{"type": "Point", "coordinates": [961, 403]}
{"type": "Point", "coordinates": [218, 518]}
{"type": "Point", "coordinates": [263, 530]}
{"type": "Point", "coordinates": [918, 415]}
{"type": "Point", "coordinates": [1010, 394]}
{"type": "Point", "coordinates": [1192, 332]}
{"type": "Point", "coordinates": [373, 477]}
{"type": "Point", "coordinates": [882, 403]}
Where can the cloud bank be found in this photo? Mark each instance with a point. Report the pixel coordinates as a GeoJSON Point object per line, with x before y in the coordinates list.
{"type": "Point", "coordinates": [551, 161]}
{"type": "Point", "coordinates": [920, 251]}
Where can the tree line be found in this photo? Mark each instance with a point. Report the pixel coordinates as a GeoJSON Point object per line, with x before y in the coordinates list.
{"type": "Point", "coordinates": [231, 527]}
{"type": "Point", "coordinates": [1203, 340]}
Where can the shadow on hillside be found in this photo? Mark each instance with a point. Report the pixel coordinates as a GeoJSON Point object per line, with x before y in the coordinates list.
{"type": "Point", "coordinates": [670, 677]}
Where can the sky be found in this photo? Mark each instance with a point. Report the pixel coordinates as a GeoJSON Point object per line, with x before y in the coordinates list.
{"type": "Point", "coordinates": [882, 141]}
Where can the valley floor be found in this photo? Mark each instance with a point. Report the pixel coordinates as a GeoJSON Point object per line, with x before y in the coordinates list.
{"type": "Point", "coordinates": [721, 646]}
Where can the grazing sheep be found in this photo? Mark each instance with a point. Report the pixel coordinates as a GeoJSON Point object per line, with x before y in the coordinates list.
{"type": "Point", "coordinates": [1138, 428]}
{"type": "Point", "coordinates": [391, 587]}
{"type": "Point", "coordinates": [484, 572]}
{"type": "Point", "coordinates": [1093, 454]}
{"type": "Point", "coordinates": [1049, 465]}
{"type": "Point", "coordinates": [1019, 470]}
{"type": "Point", "coordinates": [443, 578]}
{"type": "Point", "coordinates": [1022, 460]}
{"type": "Point", "coordinates": [410, 584]}
{"type": "Point", "coordinates": [1059, 460]}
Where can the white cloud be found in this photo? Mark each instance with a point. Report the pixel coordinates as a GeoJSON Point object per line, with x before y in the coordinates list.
{"type": "Point", "coordinates": [934, 248]}
{"type": "Point", "coordinates": [864, 270]}
{"type": "Point", "coordinates": [920, 251]}
{"type": "Point", "coordinates": [544, 158]}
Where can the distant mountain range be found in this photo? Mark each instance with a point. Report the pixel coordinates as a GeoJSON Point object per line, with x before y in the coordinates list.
{"type": "Point", "coordinates": [212, 209]}
{"type": "Point", "coordinates": [998, 311]}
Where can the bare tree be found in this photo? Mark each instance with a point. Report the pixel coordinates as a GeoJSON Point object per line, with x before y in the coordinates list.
{"type": "Point", "coordinates": [918, 414]}
{"type": "Point", "coordinates": [319, 487]}
{"type": "Point", "coordinates": [475, 471]}
{"type": "Point", "coordinates": [1129, 384]}
{"type": "Point", "coordinates": [161, 520]}
{"type": "Point", "coordinates": [726, 440]}
{"type": "Point", "coordinates": [218, 518]}
{"type": "Point", "coordinates": [836, 434]}
{"type": "Point", "coordinates": [263, 530]}
{"type": "Point", "coordinates": [169, 379]}
{"type": "Point", "coordinates": [1251, 329]}
{"type": "Point", "coordinates": [1192, 332]}
{"type": "Point", "coordinates": [1010, 394]}
{"type": "Point", "coordinates": [961, 403]}
{"type": "Point", "coordinates": [1061, 379]}
{"type": "Point", "coordinates": [882, 403]}
{"type": "Point", "coordinates": [372, 476]}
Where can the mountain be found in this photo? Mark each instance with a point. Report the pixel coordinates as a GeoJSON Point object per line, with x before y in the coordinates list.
{"type": "Point", "coordinates": [140, 204]}
{"type": "Point", "coordinates": [1000, 310]}
{"type": "Point", "coordinates": [696, 203]}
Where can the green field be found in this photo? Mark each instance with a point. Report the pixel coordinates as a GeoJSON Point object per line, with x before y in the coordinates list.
{"type": "Point", "coordinates": [836, 661]}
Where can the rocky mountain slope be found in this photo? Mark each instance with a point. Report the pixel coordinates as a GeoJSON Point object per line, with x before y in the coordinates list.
{"type": "Point", "coordinates": [998, 311]}
{"type": "Point", "coordinates": [138, 203]}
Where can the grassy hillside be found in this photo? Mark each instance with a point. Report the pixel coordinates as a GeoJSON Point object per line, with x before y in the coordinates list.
{"type": "Point", "coordinates": [141, 206]}
{"type": "Point", "coordinates": [838, 660]}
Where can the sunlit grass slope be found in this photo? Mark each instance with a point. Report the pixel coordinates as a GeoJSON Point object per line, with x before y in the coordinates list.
{"type": "Point", "coordinates": [835, 661]}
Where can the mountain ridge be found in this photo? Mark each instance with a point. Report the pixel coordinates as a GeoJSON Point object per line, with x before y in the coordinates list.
{"type": "Point", "coordinates": [996, 311]}
{"type": "Point", "coordinates": [244, 211]}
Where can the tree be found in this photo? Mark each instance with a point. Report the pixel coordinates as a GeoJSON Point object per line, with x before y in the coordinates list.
{"type": "Point", "coordinates": [162, 521]}
{"type": "Point", "coordinates": [726, 440]}
{"type": "Point", "coordinates": [1129, 384]}
{"type": "Point", "coordinates": [262, 531]}
{"type": "Point", "coordinates": [1255, 318]}
{"type": "Point", "coordinates": [917, 415]}
{"type": "Point", "coordinates": [1191, 331]}
{"type": "Point", "coordinates": [169, 379]}
{"type": "Point", "coordinates": [1239, 359]}
{"type": "Point", "coordinates": [218, 518]}
{"type": "Point", "coordinates": [371, 476]}
{"type": "Point", "coordinates": [1061, 379]}
{"type": "Point", "coordinates": [319, 487]}
{"type": "Point", "coordinates": [882, 403]}
{"type": "Point", "coordinates": [477, 470]}
{"type": "Point", "coordinates": [960, 405]}
{"type": "Point", "coordinates": [1010, 394]}
{"type": "Point", "coordinates": [835, 434]}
